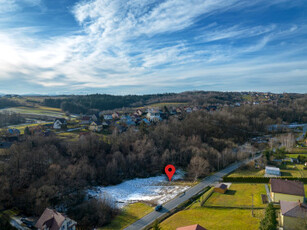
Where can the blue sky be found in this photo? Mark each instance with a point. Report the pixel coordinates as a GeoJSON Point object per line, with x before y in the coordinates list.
{"type": "Point", "coordinates": [152, 46]}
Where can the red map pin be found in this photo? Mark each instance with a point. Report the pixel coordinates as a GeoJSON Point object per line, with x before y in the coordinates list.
{"type": "Point", "coordinates": [170, 170]}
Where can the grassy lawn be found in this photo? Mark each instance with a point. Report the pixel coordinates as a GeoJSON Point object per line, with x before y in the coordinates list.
{"type": "Point", "coordinates": [215, 218]}
{"type": "Point", "coordinates": [130, 214]}
{"type": "Point", "coordinates": [72, 136]}
{"type": "Point", "coordinates": [302, 150]}
{"type": "Point", "coordinates": [238, 195]}
{"type": "Point", "coordinates": [290, 170]}
{"type": "Point", "coordinates": [21, 128]}
{"type": "Point", "coordinates": [305, 186]}
{"type": "Point", "coordinates": [41, 110]}
{"type": "Point", "coordinates": [295, 155]}
{"type": "Point", "coordinates": [248, 173]}
{"type": "Point", "coordinates": [197, 203]}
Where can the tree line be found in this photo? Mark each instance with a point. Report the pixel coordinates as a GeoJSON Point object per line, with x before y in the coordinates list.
{"type": "Point", "coordinates": [9, 118]}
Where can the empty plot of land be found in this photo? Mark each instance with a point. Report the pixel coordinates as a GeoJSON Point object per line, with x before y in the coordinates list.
{"type": "Point", "coordinates": [248, 173]}
{"type": "Point", "coordinates": [239, 195]}
{"type": "Point", "coordinates": [215, 219]}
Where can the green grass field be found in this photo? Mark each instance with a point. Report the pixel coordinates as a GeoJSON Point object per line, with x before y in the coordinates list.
{"type": "Point", "coordinates": [22, 127]}
{"type": "Point", "coordinates": [71, 136]}
{"type": "Point", "coordinates": [288, 170]}
{"type": "Point", "coordinates": [130, 214]}
{"type": "Point", "coordinates": [239, 195]}
{"type": "Point", "coordinates": [305, 186]}
{"type": "Point", "coordinates": [248, 173]}
{"type": "Point", "coordinates": [295, 155]}
{"type": "Point", "coordinates": [291, 170]}
{"type": "Point", "coordinates": [215, 219]}
{"type": "Point", "coordinates": [299, 150]}
{"type": "Point", "coordinates": [40, 110]}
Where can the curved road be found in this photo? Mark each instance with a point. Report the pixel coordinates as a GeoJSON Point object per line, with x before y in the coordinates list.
{"type": "Point", "coordinates": [151, 217]}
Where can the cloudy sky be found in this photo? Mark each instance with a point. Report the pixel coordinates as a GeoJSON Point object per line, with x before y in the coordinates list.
{"type": "Point", "coordinates": [152, 46]}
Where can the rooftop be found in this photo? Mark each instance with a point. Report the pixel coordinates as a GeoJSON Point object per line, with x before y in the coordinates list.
{"type": "Point", "coordinates": [287, 187]}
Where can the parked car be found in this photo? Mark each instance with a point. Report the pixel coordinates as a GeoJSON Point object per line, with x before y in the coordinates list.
{"type": "Point", "coordinates": [159, 207]}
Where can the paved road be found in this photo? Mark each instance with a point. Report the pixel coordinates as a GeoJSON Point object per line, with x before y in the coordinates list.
{"type": "Point", "coordinates": [150, 218]}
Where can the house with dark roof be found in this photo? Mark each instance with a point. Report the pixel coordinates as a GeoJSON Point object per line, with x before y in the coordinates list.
{"type": "Point", "coordinates": [85, 120]}
{"type": "Point", "coordinates": [59, 123]}
{"type": "Point", "coordinates": [293, 215]}
{"type": "Point", "coordinates": [95, 126]}
{"type": "Point", "coordinates": [53, 220]}
{"type": "Point", "coordinates": [220, 188]}
{"type": "Point", "coordinates": [192, 227]}
{"type": "Point", "coordinates": [287, 190]}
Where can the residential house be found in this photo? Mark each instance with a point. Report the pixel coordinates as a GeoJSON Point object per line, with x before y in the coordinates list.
{"type": "Point", "coordinates": [272, 171]}
{"type": "Point", "coordinates": [144, 120]}
{"type": "Point", "coordinates": [178, 110]}
{"type": "Point", "coordinates": [107, 117]}
{"type": "Point", "coordinates": [192, 227]}
{"type": "Point", "coordinates": [115, 115]}
{"type": "Point", "coordinates": [85, 120]}
{"type": "Point", "coordinates": [59, 123]}
{"type": "Point", "coordinates": [293, 215]}
{"type": "Point", "coordinates": [95, 126]}
{"type": "Point", "coordinates": [188, 110]}
{"type": "Point", "coordinates": [287, 190]}
{"type": "Point", "coordinates": [15, 132]}
{"type": "Point", "coordinates": [220, 188]}
{"type": "Point", "coordinates": [153, 115]}
{"type": "Point", "coordinates": [139, 112]}
{"type": "Point", "coordinates": [95, 117]}
{"type": "Point", "coordinates": [127, 120]}
{"type": "Point", "coordinates": [53, 220]}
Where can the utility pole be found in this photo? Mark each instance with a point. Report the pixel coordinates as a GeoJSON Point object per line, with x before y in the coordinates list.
{"type": "Point", "coordinates": [252, 204]}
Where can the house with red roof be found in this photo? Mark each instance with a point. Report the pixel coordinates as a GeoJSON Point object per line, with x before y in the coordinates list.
{"type": "Point", "coordinates": [192, 227]}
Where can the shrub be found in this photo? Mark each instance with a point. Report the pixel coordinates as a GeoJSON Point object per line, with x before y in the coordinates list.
{"type": "Point", "coordinates": [269, 221]}
{"type": "Point", "coordinates": [93, 213]}
{"type": "Point", "coordinates": [259, 179]}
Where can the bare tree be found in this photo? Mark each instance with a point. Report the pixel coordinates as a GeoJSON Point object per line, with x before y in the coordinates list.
{"type": "Point", "coordinates": [198, 167]}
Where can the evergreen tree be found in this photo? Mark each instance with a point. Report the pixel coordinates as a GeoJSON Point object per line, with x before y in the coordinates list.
{"type": "Point", "coordinates": [156, 225]}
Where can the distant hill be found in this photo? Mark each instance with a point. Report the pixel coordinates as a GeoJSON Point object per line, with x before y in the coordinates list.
{"type": "Point", "coordinates": [100, 102]}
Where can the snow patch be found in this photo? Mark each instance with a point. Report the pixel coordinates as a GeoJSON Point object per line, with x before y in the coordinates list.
{"type": "Point", "coordinates": [157, 190]}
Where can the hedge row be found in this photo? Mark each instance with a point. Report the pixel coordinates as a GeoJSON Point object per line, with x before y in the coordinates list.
{"type": "Point", "coordinates": [260, 179]}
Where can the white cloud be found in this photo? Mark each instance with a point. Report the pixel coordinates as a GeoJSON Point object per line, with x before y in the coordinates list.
{"type": "Point", "coordinates": [118, 45]}
{"type": "Point", "coordinates": [7, 6]}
